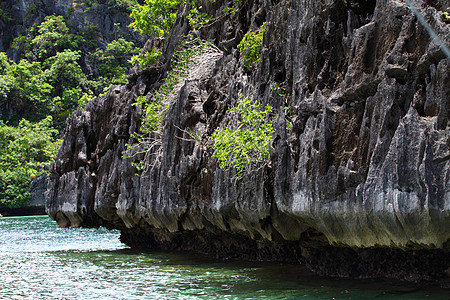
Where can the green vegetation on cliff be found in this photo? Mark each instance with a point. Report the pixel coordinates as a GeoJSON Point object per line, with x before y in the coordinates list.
{"type": "Point", "coordinates": [249, 142]}
{"type": "Point", "coordinates": [156, 17]}
{"type": "Point", "coordinates": [50, 79]}
{"type": "Point", "coordinates": [155, 106]}
{"type": "Point", "coordinates": [56, 69]}
{"type": "Point", "coordinates": [250, 47]}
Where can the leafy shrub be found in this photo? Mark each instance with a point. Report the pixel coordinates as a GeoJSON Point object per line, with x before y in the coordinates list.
{"type": "Point", "coordinates": [118, 52]}
{"type": "Point", "coordinates": [114, 60]}
{"type": "Point", "coordinates": [446, 16]}
{"type": "Point", "coordinates": [156, 17]}
{"type": "Point", "coordinates": [20, 42]}
{"type": "Point", "coordinates": [249, 142]}
{"type": "Point", "coordinates": [151, 114]}
{"type": "Point", "coordinates": [112, 64]}
{"type": "Point", "coordinates": [63, 105]}
{"type": "Point", "coordinates": [251, 46]}
{"type": "Point", "coordinates": [196, 18]}
{"type": "Point", "coordinates": [4, 63]}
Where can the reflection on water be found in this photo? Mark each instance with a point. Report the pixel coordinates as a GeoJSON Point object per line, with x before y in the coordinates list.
{"type": "Point", "coordinates": [38, 260]}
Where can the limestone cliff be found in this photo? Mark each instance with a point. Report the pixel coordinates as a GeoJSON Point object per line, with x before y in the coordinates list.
{"type": "Point", "coordinates": [365, 164]}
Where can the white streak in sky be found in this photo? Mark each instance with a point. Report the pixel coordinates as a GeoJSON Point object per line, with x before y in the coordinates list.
{"type": "Point", "coordinates": [430, 30]}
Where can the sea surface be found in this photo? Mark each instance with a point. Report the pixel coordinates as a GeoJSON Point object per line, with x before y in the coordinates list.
{"type": "Point", "coordinates": [38, 260]}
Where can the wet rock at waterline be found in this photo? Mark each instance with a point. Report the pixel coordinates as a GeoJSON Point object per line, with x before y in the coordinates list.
{"type": "Point", "coordinates": [365, 163]}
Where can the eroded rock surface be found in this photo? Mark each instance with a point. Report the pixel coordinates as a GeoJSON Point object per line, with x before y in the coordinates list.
{"type": "Point", "coordinates": [365, 163]}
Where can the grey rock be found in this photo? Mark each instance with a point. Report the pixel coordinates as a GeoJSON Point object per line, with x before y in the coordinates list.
{"type": "Point", "coordinates": [38, 187]}
{"type": "Point", "coordinates": [365, 164]}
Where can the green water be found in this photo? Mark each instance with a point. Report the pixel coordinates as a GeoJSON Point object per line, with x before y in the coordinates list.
{"type": "Point", "coordinates": [38, 260]}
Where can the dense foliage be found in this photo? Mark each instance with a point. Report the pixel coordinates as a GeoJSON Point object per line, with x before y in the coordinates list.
{"type": "Point", "coordinates": [52, 36]}
{"type": "Point", "coordinates": [156, 17]}
{"type": "Point", "coordinates": [23, 89]}
{"type": "Point", "coordinates": [24, 151]}
{"type": "Point", "coordinates": [112, 62]}
{"type": "Point", "coordinates": [57, 72]}
{"type": "Point", "coordinates": [50, 79]}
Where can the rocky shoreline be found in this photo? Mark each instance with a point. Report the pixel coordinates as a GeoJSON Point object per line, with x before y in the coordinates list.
{"type": "Point", "coordinates": [357, 186]}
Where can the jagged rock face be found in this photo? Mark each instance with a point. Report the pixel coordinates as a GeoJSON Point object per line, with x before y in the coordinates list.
{"type": "Point", "coordinates": [365, 163]}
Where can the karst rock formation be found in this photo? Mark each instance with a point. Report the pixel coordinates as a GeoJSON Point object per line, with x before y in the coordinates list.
{"type": "Point", "coordinates": [358, 185]}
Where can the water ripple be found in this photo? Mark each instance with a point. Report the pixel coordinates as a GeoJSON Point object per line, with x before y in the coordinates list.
{"type": "Point", "coordinates": [38, 260]}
